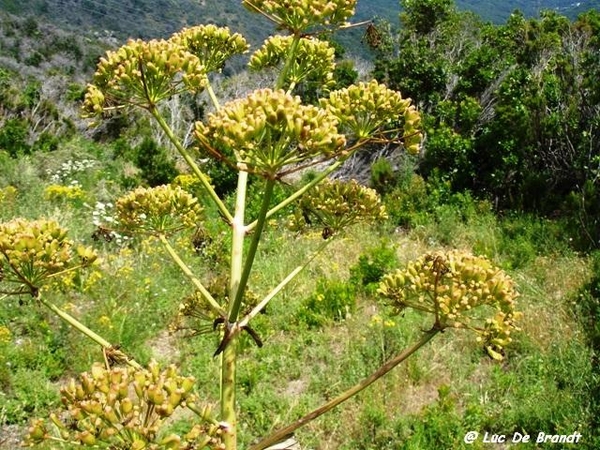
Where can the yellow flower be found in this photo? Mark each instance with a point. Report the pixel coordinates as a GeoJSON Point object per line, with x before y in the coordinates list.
{"type": "Point", "coordinates": [302, 15]}
{"type": "Point", "coordinates": [5, 335]}
{"type": "Point", "coordinates": [162, 209]}
{"type": "Point", "coordinates": [269, 131]}
{"type": "Point", "coordinates": [455, 286]}
{"type": "Point", "coordinates": [60, 193]}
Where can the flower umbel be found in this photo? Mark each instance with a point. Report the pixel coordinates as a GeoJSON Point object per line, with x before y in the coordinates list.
{"type": "Point", "coordinates": [369, 110]}
{"type": "Point", "coordinates": [142, 74]}
{"type": "Point", "coordinates": [268, 131]}
{"type": "Point", "coordinates": [314, 59]}
{"type": "Point", "coordinates": [31, 252]}
{"type": "Point", "coordinates": [211, 44]}
{"type": "Point", "coordinates": [302, 15]}
{"type": "Point", "coordinates": [335, 205]}
{"type": "Point", "coordinates": [159, 210]}
{"type": "Point", "coordinates": [126, 408]}
{"type": "Point", "coordinates": [456, 287]}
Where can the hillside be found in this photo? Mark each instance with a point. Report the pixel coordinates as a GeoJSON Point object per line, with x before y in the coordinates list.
{"type": "Point", "coordinates": [151, 18]}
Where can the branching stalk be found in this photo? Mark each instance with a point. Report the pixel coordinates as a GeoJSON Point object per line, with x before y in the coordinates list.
{"type": "Point", "coordinates": [192, 164]}
{"type": "Point", "coordinates": [188, 273]}
{"type": "Point", "coordinates": [213, 97]}
{"type": "Point", "coordinates": [237, 302]}
{"type": "Point", "coordinates": [277, 289]}
{"type": "Point", "coordinates": [288, 63]}
{"type": "Point", "coordinates": [384, 369]}
{"type": "Point", "coordinates": [84, 330]}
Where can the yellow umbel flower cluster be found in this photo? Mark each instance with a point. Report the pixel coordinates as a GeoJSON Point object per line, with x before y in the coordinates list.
{"type": "Point", "coordinates": [126, 407]}
{"type": "Point", "coordinates": [301, 15]}
{"type": "Point", "coordinates": [143, 73]}
{"type": "Point", "coordinates": [267, 131]}
{"type": "Point", "coordinates": [455, 286]}
{"type": "Point", "coordinates": [366, 109]}
{"type": "Point", "coordinates": [211, 44]}
{"type": "Point", "coordinates": [33, 251]}
{"type": "Point", "coordinates": [314, 59]}
{"type": "Point", "coordinates": [159, 210]}
{"type": "Point", "coordinates": [335, 205]}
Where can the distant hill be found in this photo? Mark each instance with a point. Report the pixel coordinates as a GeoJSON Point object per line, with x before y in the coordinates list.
{"type": "Point", "coordinates": [159, 18]}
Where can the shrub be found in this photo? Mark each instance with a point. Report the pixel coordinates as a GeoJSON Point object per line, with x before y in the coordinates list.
{"type": "Point", "coordinates": [331, 301]}
{"type": "Point", "coordinates": [154, 162]}
{"type": "Point", "coordinates": [383, 178]}
{"type": "Point", "coordinates": [372, 266]}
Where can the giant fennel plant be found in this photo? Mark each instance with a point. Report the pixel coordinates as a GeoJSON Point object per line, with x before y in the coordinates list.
{"type": "Point", "coordinates": [268, 134]}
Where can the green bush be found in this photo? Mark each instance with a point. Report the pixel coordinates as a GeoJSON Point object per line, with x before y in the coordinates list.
{"type": "Point", "coordinates": [407, 203]}
{"type": "Point", "coordinates": [383, 178]}
{"type": "Point", "coordinates": [372, 266]}
{"type": "Point", "coordinates": [332, 301]}
{"type": "Point", "coordinates": [155, 163]}
{"type": "Point", "coordinates": [13, 137]}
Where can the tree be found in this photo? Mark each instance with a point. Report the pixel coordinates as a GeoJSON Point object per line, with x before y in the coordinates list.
{"type": "Point", "coordinates": [423, 16]}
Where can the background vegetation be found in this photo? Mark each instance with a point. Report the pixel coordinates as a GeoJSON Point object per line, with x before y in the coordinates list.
{"type": "Point", "coordinates": [509, 170]}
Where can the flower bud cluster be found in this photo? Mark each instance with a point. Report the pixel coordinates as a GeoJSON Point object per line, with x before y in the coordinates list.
{"type": "Point", "coordinates": [126, 408]}
{"type": "Point", "coordinates": [367, 109]}
{"type": "Point", "coordinates": [454, 285]}
{"type": "Point", "coordinates": [301, 15]}
{"type": "Point", "coordinates": [143, 73]}
{"type": "Point", "coordinates": [33, 251]}
{"type": "Point", "coordinates": [335, 205]}
{"type": "Point", "coordinates": [314, 59]}
{"type": "Point", "coordinates": [159, 210]}
{"type": "Point", "coordinates": [211, 44]}
{"type": "Point", "coordinates": [269, 130]}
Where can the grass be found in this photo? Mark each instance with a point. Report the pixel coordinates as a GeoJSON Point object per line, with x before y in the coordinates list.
{"type": "Point", "coordinates": [448, 388]}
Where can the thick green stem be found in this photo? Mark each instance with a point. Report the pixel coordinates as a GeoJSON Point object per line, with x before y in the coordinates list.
{"type": "Point", "coordinates": [279, 435]}
{"type": "Point", "coordinates": [192, 164]}
{"type": "Point", "coordinates": [228, 357]}
{"type": "Point", "coordinates": [188, 272]}
{"type": "Point", "coordinates": [84, 330]}
{"type": "Point", "coordinates": [228, 414]}
{"type": "Point", "coordinates": [234, 310]}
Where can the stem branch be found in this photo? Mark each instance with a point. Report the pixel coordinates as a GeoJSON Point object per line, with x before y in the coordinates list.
{"type": "Point", "coordinates": [83, 329]}
{"type": "Point", "coordinates": [384, 369]}
{"type": "Point", "coordinates": [189, 160]}
{"type": "Point", "coordinates": [188, 272]}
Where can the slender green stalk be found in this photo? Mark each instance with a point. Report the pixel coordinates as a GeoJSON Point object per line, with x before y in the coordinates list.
{"type": "Point", "coordinates": [234, 310]}
{"type": "Point", "coordinates": [188, 273]}
{"type": "Point", "coordinates": [277, 289]}
{"type": "Point", "coordinates": [384, 369]}
{"type": "Point", "coordinates": [83, 329]}
{"type": "Point", "coordinates": [190, 161]}
{"type": "Point", "coordinates": [213, 97]}
{"type": "Point", "coordinates": [288, 63]}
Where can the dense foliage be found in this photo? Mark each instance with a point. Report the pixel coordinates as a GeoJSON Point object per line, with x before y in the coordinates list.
{"type": "Point", "coordinates": [513, 111]}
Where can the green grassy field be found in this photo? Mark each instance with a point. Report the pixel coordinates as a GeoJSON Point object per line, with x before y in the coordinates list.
{"type": "Point", "coordinates": [324, 333]}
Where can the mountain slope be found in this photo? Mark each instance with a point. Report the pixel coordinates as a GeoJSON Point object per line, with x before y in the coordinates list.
{"type": "Point", "coordinates": [159, 18]}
